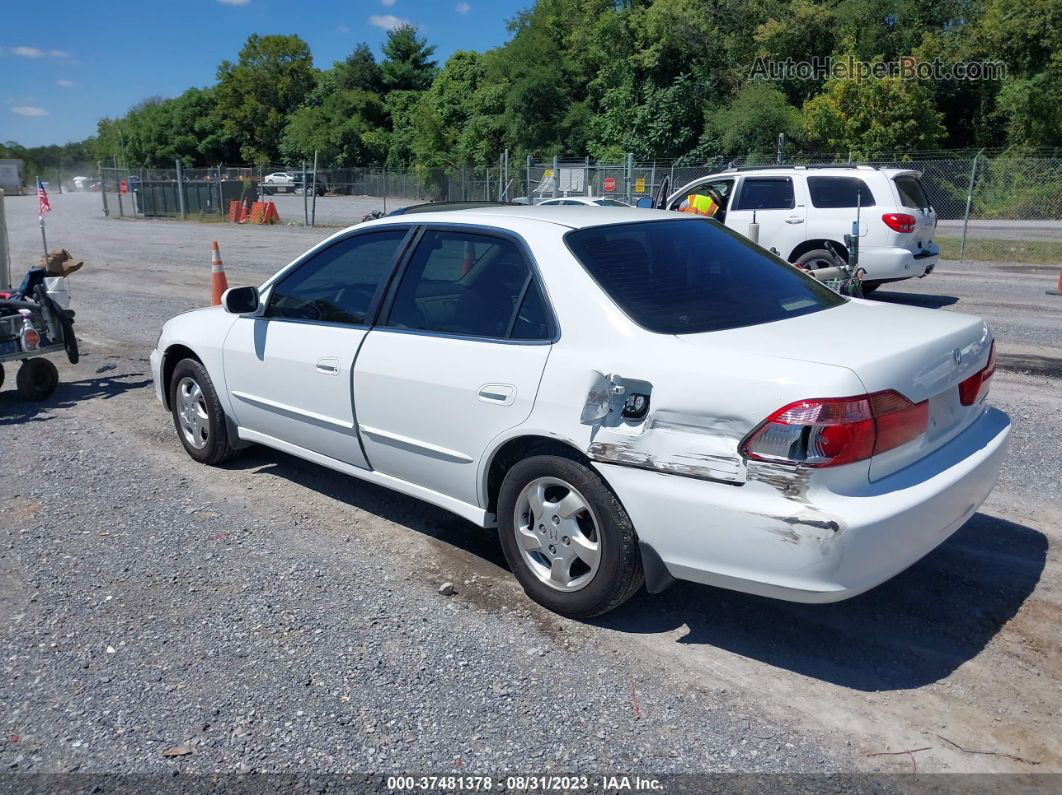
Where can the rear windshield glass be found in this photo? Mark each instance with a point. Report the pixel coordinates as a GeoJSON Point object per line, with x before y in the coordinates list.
{"type": "Point", "coordinates": [689, 276]}
{"type": "Point", "coordinates": [839, 192]}
{"type": "Point", "coordinates": [911, 193]}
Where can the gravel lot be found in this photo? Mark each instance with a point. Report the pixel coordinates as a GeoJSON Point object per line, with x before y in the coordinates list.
{"type": "Point", "coordinates": [276, 616]}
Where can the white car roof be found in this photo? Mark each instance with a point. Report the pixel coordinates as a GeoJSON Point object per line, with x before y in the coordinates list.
{"type": "Point", "coordinates": [508, 217]}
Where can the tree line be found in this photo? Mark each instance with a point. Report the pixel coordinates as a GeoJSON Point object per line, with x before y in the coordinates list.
{"type": "Point", "coordinates": [664, 79]}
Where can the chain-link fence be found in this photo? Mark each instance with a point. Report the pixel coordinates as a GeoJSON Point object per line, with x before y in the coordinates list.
{"type": "Point", "coordinates": [999, 187]}
{"type": "Point", "coordinates": [303, 196]}
{"type": "Point", "coordinates": [1003, 187]}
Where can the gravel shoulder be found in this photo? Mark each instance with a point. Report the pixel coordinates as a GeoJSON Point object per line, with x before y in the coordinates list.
{"type": "Point", "coordinates": [272, 615]}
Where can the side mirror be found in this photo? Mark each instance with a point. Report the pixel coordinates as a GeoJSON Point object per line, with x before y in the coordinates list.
{"type": "Point", "coordinates": [240, 300]}
{"type": "Point", "coordinates": [645, 202]}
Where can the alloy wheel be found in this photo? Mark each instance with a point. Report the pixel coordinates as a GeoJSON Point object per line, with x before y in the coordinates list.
{"type": "Point", "coordinates": [192, 413]}
{"type": "Point", "coordinates": [557, 533]}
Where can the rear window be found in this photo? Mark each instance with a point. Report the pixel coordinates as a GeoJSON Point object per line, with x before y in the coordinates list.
{"type": "Point", "coordinates": [839, 192]}
{"type": "Point", "coordinates": [690, 276]}
{"type": "Point", "coordinates": [766, 193]}
{"type": "Point", "coordinates": [911, 192]}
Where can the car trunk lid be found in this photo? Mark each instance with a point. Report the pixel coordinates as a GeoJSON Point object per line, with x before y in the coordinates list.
{"type": "Point", "coordinates": [922, 354]}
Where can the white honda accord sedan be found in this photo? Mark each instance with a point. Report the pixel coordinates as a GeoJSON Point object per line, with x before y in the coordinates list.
{"type": "Point", "coordinates": [627, 397]}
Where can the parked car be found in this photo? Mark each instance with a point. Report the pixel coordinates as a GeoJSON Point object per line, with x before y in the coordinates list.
{"type": "Point", "coordinates": [804, 212]}
{"type": "Point", "coordinates": [280, 182]}
{"type": "Point", "coordinates": [287, 182]}
{"type": "Point", "coordinates": [585, 201]}
{"type": "Point", "coordinates": [625, 396]}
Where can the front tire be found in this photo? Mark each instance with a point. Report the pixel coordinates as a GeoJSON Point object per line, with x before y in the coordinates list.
{"type": "Point", "coordinates": [36, 379]}
{"type": "Point", "coordinates": [197, 414]}
{"type": "Point", "coordinates": [567, 538]}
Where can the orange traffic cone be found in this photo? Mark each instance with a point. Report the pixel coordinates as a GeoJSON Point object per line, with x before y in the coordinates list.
{"type": "Point", "coordinates": [218, 283]}
{"type": "Point", "coordinates": [1059, 290]}
{"type": "Point", "coordinates": [468, 259]}
{"type": "Point", "coordinates": [245, 211]}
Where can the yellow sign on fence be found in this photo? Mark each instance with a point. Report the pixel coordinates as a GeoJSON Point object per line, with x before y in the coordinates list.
{"type": "Point", "coordinates": [547, 173]}
{"type": "Point", "coordinates": [639, 185]}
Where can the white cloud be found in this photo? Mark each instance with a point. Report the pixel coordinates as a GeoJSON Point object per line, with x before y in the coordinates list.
{"type": "Point", "coordinates": [235, 2]}
{"type": "Point", "coordinates": [463, 8]}
{"type": "Point", "coordinates": [65, 83]}
{"type": "Point", "coordinates": [29, 111]}
{"type": "Point", "coordinates": [387, 3]}
{"type": "Point", "coordinates": [36, 52]}
{"type": "Point", "coordinates": [387, 21]}
{"type": "Point", "coordinates": [343, 28]}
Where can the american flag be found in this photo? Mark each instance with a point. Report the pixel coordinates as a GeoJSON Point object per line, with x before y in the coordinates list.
{"type": "Point", "coordinates": [42, 194]}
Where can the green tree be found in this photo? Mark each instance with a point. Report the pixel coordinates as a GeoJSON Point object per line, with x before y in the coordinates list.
{"type": "Point", "coordinates": [402, 108]}
{"type": "Point", "coordinates": [336, 129]}
{"type": "Point", "coordinates": [359, 71]}
{"type": "Point", "coordinates": [407, 64]}
{"type": "Point", "coordinates": [1026, 35]}
{"type": "Point", "coordinates": [445, 111]}
{"type": "Point", "coordinates": [872, 116]}
{"type": "Point", "coordinates": [751, 122]}
{"type": "Point", "coordinates": [256, 94]}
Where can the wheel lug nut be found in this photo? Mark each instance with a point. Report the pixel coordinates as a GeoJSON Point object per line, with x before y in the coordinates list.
{"type": "Point", "coordinates": [566, 540]}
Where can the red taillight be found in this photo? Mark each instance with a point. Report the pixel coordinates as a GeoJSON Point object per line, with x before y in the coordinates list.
{"type": "Point", "coordinates": [899, 222]}
{"type": "Point", "coordinates": [898, 420]}
{"type": "Point", "coordinates": [976, 386]}
{"type": "Point", "coordinates": [828, 432]}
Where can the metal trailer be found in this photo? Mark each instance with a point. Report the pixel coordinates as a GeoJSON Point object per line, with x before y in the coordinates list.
{"type": "Point", "coordinates": [37, 377]}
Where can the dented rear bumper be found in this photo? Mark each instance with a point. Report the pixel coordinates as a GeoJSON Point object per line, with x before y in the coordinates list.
{"type": "Point", "coordinates": [780, 535]}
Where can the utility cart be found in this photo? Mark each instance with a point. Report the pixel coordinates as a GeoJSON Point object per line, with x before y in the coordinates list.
{"type": "Point", "coordinates": [33, 325]}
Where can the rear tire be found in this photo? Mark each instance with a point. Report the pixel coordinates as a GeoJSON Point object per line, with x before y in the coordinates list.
{"type": "Point", "coordinates": [36, 379]}
{"type": "Point", "coordinates": [197, 414]}
{"type": "Point", "coordinates": [815, 259]}
{"type": "Point", "coordinates": [567, 538]}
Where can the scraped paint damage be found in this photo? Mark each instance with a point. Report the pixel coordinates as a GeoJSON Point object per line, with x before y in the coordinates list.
{"type": "Point", "coordinates": [674, 442]}
{"type": "Point", "coordinates": [791, 481]}
{"type": "Point", "coordinates": [693, 445]}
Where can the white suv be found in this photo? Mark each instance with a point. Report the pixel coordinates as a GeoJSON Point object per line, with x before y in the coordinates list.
{"type": "Point", "coordinates": [804, 212]}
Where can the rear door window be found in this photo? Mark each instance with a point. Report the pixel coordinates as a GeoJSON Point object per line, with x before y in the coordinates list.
{"type": "Point", "coordinates": [766, 193]}
{"type": "Point", "coordinates": [691, 276]}
{"type": "Point", "coordinates": [831, 192]}
{"type": "Point", "coordinates": [911, 192]}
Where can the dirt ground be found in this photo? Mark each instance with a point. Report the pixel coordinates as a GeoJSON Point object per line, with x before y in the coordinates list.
{"type": "Point", "coordinates": [955, 665]}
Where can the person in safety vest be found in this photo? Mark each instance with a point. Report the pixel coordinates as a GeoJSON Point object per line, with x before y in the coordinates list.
{"type": "Point", "coordinates": [706, 204]}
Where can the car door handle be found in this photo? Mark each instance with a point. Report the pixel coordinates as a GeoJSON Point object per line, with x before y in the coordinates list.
{"type": "Point", "coordinates": [501, 394]}
{"type": "Point", "coordinates": [794, 219]}
{"type": "Point", "coordinates": [328, 365]}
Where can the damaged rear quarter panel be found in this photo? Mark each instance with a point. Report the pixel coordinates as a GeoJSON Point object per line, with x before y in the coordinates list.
{"type": "Point", "coordinates": [704, 399]}
{"type": "Point", "coordinates": [702, 404]}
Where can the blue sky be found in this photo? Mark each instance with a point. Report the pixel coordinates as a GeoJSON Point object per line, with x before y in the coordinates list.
{"type": "Point", "coordinates": [65, 63]}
